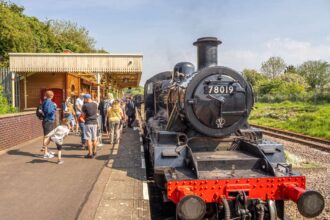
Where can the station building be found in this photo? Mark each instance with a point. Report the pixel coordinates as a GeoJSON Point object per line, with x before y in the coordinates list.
{"type": "Point", "coordinates": [69, 74]}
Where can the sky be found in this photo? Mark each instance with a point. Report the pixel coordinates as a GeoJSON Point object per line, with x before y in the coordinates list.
{"type": "Point", "coordinates": [164, 30]}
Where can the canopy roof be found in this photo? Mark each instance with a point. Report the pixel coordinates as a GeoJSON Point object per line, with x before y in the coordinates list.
{"type": "Point", "coordinates": [122, 70]}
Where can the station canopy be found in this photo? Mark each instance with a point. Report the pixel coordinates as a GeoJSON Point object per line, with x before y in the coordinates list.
{"type": "Point", "coordinates": [119, 70]}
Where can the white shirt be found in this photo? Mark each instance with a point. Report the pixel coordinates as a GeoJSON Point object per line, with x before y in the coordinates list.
{"type": "Point", "coordinates": [57, 135]}
{"type": "Point", "coordinates": [79, 104]}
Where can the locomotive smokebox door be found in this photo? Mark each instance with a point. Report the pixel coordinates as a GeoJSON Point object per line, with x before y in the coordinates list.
{"type": "Point", "coordinates": [218, 101]}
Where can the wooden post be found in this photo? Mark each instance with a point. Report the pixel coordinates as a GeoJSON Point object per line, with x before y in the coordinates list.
{"type": "Point", "coordinates": [98, 80]}
{"type": "Point", "coordinates": [25, 91]}
{"type": "Point", "coordinates": [119, 93]}
{"type": "Point", "coordinates": [13, 89]}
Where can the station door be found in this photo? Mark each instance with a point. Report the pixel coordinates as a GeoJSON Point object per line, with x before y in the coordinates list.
{"type": "Point", "coordinates": [58, 96]}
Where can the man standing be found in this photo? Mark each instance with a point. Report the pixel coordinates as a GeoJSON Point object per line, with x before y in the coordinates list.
{"type": "Point", "coordinates": [89, 110]}
{"type": "Point", "coordinates": [49, 111]}
{"type": "Point", "coordinates": [130, 111]}
{"type": "Point", "coordinates": [79, 103]}
{"type": "Point", "coordinates": [106, 105]}
{"type": "Point", "coordinates": [100, 108]}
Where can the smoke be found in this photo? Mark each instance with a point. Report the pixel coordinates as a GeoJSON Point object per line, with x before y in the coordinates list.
{"type": "Point", "coordinates": [173, 44]}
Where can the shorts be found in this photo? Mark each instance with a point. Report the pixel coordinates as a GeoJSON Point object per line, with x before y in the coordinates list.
{"type": "Point", "coordinates": [58, 146]}
{"type": "Point", "coordinates": [112, 124]}
{"type": "Point", "coordinates": [47, 126]}
{"type": "Point", "coordinates": [91, 132]}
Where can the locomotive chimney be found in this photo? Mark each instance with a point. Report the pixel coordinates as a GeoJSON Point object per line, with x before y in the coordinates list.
{"type": "Point", "coordinates": [207, 51]}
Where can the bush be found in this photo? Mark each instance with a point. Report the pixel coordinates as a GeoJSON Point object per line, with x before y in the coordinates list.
{"type": "Point", "coordinates": [278, 90]}
{"type": "Point", "coordinates": [321, 98]}
{"type": "Point", "coordinates": [4, 106]}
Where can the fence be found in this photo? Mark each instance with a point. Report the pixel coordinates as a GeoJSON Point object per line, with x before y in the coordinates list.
{"type": "Point", "coordinates": [7, 81]}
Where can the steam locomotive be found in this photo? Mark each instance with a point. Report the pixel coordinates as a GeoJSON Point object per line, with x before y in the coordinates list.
{"type": "Point", "coordinates": [206, 159]}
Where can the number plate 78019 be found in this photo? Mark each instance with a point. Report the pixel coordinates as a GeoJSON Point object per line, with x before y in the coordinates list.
{"type": "Point", "coordinates": [219, 89]}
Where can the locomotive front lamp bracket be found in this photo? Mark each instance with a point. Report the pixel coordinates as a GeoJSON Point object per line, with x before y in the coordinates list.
{"type": "Point", "coordinates": [220, 99]}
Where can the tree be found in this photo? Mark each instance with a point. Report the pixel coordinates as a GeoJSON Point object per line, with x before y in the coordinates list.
{"type": "Point", "coordinates": [252, 76]}
{"type": "Point", "coordinates": [135, 91]}
{"type": "Point", "coordinates": [316, 73]}
{"type": "Point", "coordinates": [21, 33]}
{"type": "Point", "coordinates": [292, 77]}
{"type": "Point", "coordinates": [273, 67]}
{"type": "Point", "coordinates": [290, 69]}
{"type": "Point", "coordinates": [71, 36]}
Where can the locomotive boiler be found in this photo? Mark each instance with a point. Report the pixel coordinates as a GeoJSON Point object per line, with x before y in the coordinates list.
{"type": "Point", "coordinates": [206, 159]}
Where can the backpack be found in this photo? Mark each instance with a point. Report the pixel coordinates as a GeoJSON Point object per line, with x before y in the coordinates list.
{"type": "Point", "coordinates": [39, 113]}
{"type": "Point", "coordinates": [106, 105]}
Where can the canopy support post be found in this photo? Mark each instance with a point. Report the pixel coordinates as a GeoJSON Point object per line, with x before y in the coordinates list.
{"type": "Point", "coordinates": [13, 96]}
{"type": "Point", "coordinates": [98, 80]}
{"type": "Point", "coordinates": [25, 91]}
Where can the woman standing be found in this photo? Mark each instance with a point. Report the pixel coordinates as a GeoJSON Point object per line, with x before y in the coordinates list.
{"type": "Point", "coordinates": [70, 114]}
{"type": "Point", "coordinates": [114, 117]}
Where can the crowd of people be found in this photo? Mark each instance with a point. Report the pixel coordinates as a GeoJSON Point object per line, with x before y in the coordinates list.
{"type": "Point", "coordinates": [86, 117]}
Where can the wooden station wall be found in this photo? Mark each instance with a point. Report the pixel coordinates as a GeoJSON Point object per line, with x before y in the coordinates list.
{"type": "Point", "coordinates": [67, 83]}
{"type": "Point", "coordinates": [72, 85]}
{"type": "Point", "coordinates": [36, 82]}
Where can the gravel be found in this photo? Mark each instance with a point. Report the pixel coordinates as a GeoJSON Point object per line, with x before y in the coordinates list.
{"type": "Point", "coordinates": [318, 177]}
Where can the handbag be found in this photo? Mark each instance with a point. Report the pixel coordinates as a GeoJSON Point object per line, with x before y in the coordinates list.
{"type": "Point", "coordinates": [81, 118]}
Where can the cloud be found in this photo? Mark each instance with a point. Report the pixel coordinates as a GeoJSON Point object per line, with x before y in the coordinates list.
{"type": "Point", "coordinates": [293, 52]}
{"type": "Point", "coordinates": [239, 59]}
{"type": "Point", "coordinates": [287, 44]}
{"type": "Point", "coordinates": [296, 52]}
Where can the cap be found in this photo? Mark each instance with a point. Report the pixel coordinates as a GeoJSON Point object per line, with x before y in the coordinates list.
{"type": "Point", "coordinates": [87, 96]}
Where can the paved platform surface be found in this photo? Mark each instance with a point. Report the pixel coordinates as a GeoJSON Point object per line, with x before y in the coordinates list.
{"type": "Point", "coordinates": [126, 192]}
{"type": "Point", "coordinates": [110, 186]}
{"type": "Point", "coordinates": [32, 187]}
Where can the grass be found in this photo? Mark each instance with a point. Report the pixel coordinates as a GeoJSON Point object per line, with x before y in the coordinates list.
{"type": "Point", "coordinates": [304, 118]}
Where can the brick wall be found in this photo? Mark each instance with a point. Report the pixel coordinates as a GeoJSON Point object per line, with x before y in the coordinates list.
{"type": "Point", "coordinates": [18, 128]}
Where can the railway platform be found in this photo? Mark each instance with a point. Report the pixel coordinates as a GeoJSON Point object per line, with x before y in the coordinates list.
{"type": "Point", "coordinates": [125, 195]}
{"type": "Point", "coordinates": [110, 186]}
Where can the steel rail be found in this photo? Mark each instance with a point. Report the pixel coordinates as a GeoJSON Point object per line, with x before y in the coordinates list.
{"type": "Point", "coordinates": [318, 143]}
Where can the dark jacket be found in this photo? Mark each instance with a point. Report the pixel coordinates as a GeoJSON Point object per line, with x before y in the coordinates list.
{"type": "Point", "coordinates": [130, 108]}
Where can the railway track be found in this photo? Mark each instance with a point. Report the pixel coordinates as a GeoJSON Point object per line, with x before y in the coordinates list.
{"type": "Point", "coordinates": [317, 143]}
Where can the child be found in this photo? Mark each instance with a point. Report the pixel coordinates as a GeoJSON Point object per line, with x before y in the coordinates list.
{"type": "Point", "coordinates": [57, 135]}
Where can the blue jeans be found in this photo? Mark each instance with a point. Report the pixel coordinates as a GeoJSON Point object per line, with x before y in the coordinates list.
{"type": "Point", "coordinates": [71, 120]}
{"type": "Point", "coordinates": [83, 131]}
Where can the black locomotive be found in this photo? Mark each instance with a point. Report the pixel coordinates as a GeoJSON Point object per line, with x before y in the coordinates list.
{"type": "Point", "coordinates": [205, 157]}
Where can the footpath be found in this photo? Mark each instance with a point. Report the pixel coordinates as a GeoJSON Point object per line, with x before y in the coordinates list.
{"type": "Point", "coordinates": [110, 186]}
